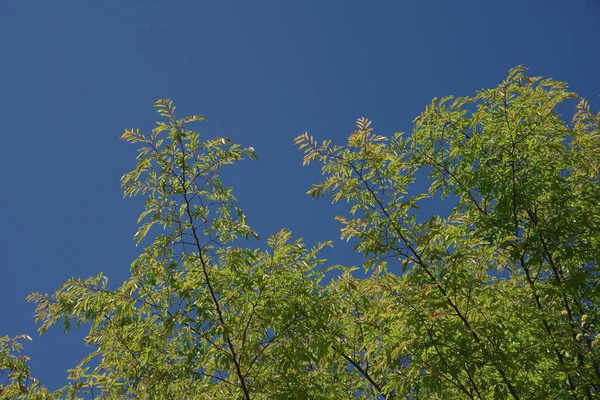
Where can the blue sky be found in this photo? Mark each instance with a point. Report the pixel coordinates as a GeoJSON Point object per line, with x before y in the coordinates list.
{"type": "Point", "coordinates": [76, 73]}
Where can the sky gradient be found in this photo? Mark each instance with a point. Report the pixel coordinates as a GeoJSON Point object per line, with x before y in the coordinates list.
{"type": "Point", "coordinates": [75, 74]}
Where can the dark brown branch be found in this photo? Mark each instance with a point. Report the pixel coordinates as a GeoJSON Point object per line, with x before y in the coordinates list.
{"type": "Point", "coordinates": [362, 371]}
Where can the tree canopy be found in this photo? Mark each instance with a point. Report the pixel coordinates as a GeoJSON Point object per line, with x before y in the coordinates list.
{"type": "Point", "coordinates": [494, 295]}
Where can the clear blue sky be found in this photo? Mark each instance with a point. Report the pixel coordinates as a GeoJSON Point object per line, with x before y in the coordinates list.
{"type": "Point", "coordinates": [74, 74]}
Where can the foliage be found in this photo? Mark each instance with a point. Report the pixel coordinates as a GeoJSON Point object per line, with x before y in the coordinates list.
{"type": "Point", "coordinates": [18, 381]}
{"type": "Point", "coordinates": [497, 298]}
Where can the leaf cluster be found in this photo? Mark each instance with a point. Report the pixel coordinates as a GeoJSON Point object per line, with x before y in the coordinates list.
{"type": "Point", "coordinates": [497, 298]}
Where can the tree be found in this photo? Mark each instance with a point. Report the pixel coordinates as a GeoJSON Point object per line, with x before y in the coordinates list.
{"type": "Point", "coordinates": [497, 298]}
